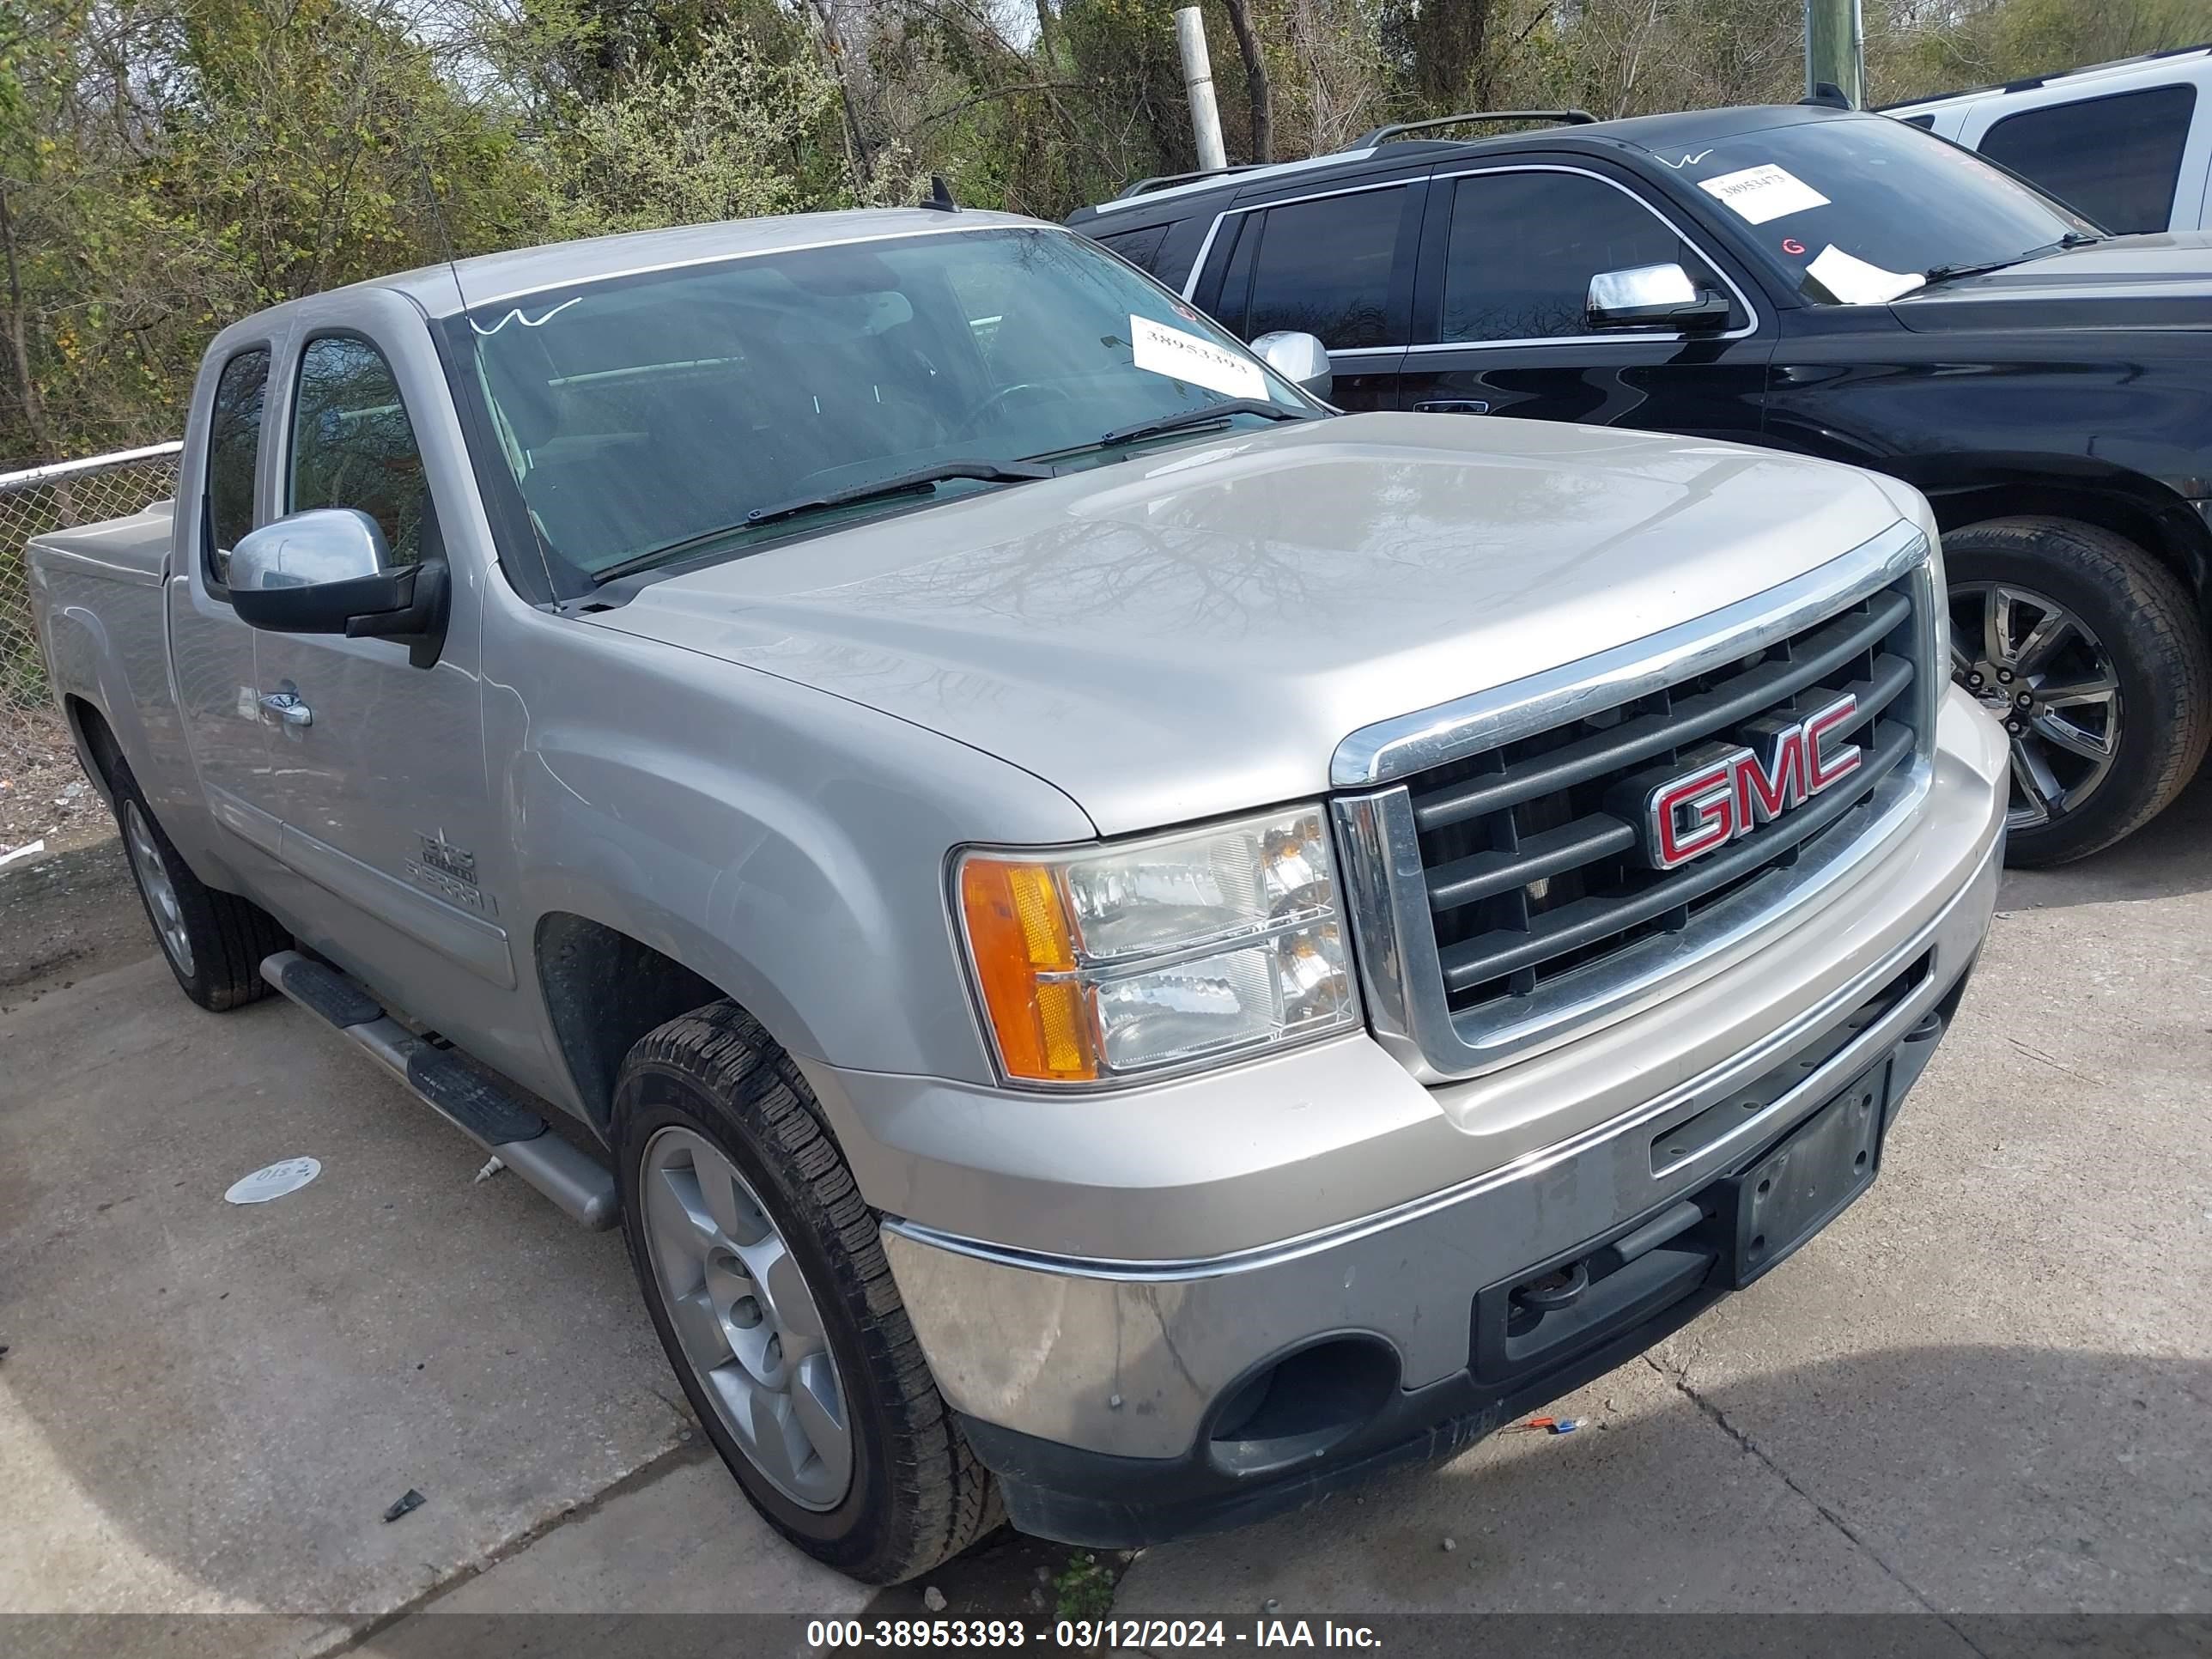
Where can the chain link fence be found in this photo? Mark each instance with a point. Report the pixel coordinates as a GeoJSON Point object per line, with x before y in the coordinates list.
{"type": "Point", "coordinates": [33, 503]}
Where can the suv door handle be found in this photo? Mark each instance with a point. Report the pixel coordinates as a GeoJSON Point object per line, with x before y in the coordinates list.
{"type": "Point", "coordinates": [285, 706]}
{"type": "Point", "coordinates": [1453, 406]}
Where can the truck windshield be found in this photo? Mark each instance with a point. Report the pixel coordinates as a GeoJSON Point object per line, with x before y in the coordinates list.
{"type": "Point", "coordinates": [654, 413]}
{"type": "Point", "coordinates": [1860, 210]}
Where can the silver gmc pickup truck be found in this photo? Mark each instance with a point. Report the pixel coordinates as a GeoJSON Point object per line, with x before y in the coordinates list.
{"type": "Point", "coordinates": [1120, 944]}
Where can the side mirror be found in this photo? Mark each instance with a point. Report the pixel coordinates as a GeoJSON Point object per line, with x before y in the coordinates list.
{"type": "Point", "coordinates": [1298, 358]}
{"type": "Point", "coordinates": [325, 571]}
{"type": "Point", "coordinates": [1645, 296]}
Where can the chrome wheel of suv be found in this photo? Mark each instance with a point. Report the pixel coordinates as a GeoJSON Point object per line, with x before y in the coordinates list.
{"type": "Point", "coordinates": [2040, 670]}
{"type": "Point", "coordinates": [745, 1319]}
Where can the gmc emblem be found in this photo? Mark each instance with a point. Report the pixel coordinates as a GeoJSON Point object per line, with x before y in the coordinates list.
{"type": "Point", "coordinates": [1735, 792]}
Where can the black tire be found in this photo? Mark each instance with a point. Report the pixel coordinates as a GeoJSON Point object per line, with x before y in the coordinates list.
{"type": "Point", "coordinates": [224, 938]}
{"type": "Point", "coordinates": [917, 1495]}
{"type": "Point", "coordinates": [2149, 627]}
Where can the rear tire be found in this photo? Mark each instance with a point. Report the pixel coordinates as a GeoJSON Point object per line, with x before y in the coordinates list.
{"type": "Point", "coordinates": [2089, 618]}
{"type": "Point", "coordinates": [730, 1177]}
{"type": "Point", "coordinates": [214, 942]}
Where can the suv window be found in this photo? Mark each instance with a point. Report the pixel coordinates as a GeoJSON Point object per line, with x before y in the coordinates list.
{"type": "Point", "coordinates": [1323, 267]}
{"type": "Point", "coordinates": [1524, 246]}
{"type": "Point", "coordinates": [233, 443]}
{"type": "Point", "coordinates": [2116, 158]}
{"type": "Point", "coordinates": [353, 445]}
{"type": "Point", "coordinates": [1141, 248]}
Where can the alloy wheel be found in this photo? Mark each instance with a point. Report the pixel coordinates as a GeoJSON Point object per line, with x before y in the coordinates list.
{"type": "Point", "coordinates": [161, 892]}
{"type": "Point", "coordinates": [2043, 673]}
{"type": "Point", "coordinates": [747, 1322]}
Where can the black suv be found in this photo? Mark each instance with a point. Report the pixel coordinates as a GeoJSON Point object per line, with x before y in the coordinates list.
{"type": "Point", "coordinates": [1836, 283]}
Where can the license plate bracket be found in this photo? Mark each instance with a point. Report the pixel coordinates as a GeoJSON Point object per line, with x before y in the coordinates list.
{"type": "Point", "coordinates": [1811, 1178]}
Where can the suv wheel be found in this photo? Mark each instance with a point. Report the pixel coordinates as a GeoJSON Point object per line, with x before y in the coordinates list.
{"type": "Point", "coordinates": [762, 1267]}
{"type": "Point", "coordinates": [213, 941]}
{"type": "Point", "coordinates": [2092, 654]}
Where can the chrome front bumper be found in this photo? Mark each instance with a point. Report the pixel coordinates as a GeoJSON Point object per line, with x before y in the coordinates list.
{"type": "Point", "coordinates": [1130, 1359]}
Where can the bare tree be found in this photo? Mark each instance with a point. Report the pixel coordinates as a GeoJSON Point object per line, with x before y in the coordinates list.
{"type": "Point", "coordinates": [858, 159]}
{"type": "Point", "coordinates": [1255, 79]}
{"type": "Point", "coordinates": [1449, 41]}
{"type": "Point", "coordinates": [1332, 54]}
{"type": "Point", "coordinates": [1048, 47]}
{"type": "Point", "coordinates": [31, 407]}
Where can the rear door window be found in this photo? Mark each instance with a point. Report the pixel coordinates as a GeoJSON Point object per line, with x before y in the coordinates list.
{"type": "Point", "coordinates": [1243, 232]}
{"type": "Point", "coordinates": [1524, 246]}
{"type": "Point", "coordinates": [2116, 158]}
{"type": "Point", "coordinates": [233, 447]}
{"type": "Point", "coordinates": [1323, 267]}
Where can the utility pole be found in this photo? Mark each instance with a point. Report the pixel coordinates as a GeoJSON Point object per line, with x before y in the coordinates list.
{"type": "Point", "coordinates": [1197, 81]}
{"type": "Point", "coordinates": [1835, 49]}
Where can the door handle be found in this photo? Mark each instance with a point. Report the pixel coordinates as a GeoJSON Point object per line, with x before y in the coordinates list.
{"type": "Point", "coordinates": [286, 707]}
{"type": "Point", "coordinates": [1453, 406]}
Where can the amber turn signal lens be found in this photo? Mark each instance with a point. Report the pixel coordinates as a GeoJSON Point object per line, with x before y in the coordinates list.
{"type": "Point", "coordinates": [1019, 940]}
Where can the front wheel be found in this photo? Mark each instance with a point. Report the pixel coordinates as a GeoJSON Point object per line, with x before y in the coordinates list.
{"type": "Point", "coordinates": [766, 1280]}
{"type": "Point", "coordinates": [2094, 657]}
{"type": "Point", "coordinates": [213, 941]}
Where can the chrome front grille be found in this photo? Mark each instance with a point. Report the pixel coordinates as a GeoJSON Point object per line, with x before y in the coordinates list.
{"type": "Point", "coordinates": [1503, 889]}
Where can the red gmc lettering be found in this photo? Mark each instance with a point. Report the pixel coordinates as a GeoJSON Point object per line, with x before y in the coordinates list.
{"type": "Point", "coordinates": [1824, 769]}
{"type": "Point", "coordinates": [1690, 816]}
{"type": "Point", "coordinates": [1765, 793]}
{"type": "Point", "coordinates": [1693, 815]}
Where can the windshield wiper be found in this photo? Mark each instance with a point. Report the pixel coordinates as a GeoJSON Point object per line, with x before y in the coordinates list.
{"type": "Point", "coordinates": [1944, 273]}
{"type": "Point", "coordinates": [1220, 411]}
{"type": "Point", "coordinates": [2072, 238]}
{"type": "Point", "coordinates": [899, 483]}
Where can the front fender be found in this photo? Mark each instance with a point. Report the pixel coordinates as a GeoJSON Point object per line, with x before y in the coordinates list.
{"type": "Point", "coordinates": [785, 845]}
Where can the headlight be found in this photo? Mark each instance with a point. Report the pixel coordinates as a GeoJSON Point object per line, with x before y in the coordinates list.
{"type": "Point", "coordinates": [1157, 954]}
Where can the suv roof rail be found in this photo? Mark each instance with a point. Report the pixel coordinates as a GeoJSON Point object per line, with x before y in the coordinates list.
{"type": "Point", "coordinates": [1164, 180]}
{"type": "Point", "coordinates": [1565, 118]}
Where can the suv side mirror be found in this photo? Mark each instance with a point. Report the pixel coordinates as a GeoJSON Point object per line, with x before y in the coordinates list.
{"type": "Point", "coordinates": [325, 571]}
{"type": "Point", "coordinates": [1644, 296]}
{"type": "Point", "coordinates": [1298, 358]}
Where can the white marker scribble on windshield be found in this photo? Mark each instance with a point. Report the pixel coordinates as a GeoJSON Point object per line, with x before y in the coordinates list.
{"type": "Point", "coordinates": [516, 316]}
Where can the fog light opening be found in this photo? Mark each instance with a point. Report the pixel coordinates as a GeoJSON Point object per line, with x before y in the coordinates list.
{"type": "Point", "coordinates": [1300, 1406]}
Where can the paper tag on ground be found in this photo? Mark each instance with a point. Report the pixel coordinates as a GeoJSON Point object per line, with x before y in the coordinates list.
{"type": "Point", "coordinates": [1763, 193]}
{"type": "Point", "coordinates": [274, 1181]}
{"type": "Point", "coordinates": [1855, 282]}
{"type": "Point", "coordinates": [1169, 351]}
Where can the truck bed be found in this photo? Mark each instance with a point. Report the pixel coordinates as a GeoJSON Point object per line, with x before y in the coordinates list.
{"type": "Point", "coordinates": [133, 549]}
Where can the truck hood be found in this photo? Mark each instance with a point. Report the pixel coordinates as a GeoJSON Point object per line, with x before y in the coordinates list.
{"type": "Point", "coordinates": [1192, 633]}
{"type": "Point", "coordinates": [2162, 281]}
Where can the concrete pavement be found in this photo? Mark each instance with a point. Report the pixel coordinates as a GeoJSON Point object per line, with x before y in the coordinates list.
{"type": "Point", "coordinates": [1985, 1388]}
{"type": "Point", "coordinates": [207, 1406]}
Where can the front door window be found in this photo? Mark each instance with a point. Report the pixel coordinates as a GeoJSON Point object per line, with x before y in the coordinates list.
{"type": "Point", "coordinates": [1524, 246]}
{"type": "Point", "coordinates": [353, 445]}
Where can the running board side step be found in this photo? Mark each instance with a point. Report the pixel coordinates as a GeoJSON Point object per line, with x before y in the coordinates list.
{"type": "Point", "coordinates": [579, 1185]}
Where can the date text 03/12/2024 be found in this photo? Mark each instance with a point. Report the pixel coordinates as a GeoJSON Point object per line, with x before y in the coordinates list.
{"type": "Point", "coordinates": [1088, 1633]}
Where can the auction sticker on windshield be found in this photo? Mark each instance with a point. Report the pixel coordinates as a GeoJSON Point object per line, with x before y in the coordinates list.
{"type": "Point", "coordinates": [1855, 282]}
{"type": "Point", "coordinates": [1763, 193]}
{"type": "Point", "coordinates": [1169, 351]}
